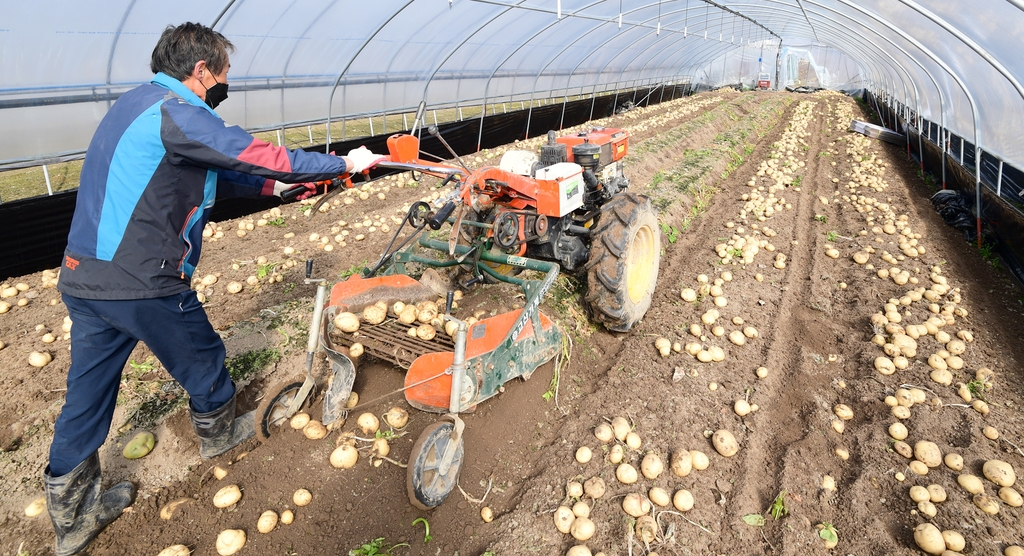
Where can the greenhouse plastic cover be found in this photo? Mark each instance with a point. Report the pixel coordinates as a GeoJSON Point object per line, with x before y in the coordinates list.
{"type": "Point", "coordinates": [65, 62]}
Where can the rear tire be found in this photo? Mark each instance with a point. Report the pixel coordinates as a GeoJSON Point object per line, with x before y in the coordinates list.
{"type": "Point", "coordinates": [622, 270]}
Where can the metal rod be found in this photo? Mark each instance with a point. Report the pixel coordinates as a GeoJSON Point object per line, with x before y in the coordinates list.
{"type": "Point", "coordinates": [999, 181]}
{"type": "Point", "coordinates": [46, 174]}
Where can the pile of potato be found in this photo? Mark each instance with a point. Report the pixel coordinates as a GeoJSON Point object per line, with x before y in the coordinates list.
{"type": "Point", "coordinates": [623, 448]}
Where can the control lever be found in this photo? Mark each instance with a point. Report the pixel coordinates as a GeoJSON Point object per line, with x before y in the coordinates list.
{"type": "Point", "coordinates": [441, 216]}
{"type": "Point", "coordinates": [433, 131]}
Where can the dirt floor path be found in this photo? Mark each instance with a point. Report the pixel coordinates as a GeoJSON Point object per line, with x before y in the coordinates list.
{"type": "Point", "coordinates": [809, 323]}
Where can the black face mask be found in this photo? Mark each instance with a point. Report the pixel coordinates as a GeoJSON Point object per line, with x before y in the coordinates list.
{"type": "Point", "coordinates": [216, 94]}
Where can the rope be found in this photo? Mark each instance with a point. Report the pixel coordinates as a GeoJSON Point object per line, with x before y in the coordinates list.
{"type": "Point", "coordinates": [392, 393]}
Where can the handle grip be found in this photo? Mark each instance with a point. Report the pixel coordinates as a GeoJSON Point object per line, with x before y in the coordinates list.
{"type": "Point", "coordinates": [441, 216]}
{"type": "Point", "coordinates": [309, 268]}
{"type": "Point", "coordinates": [290, 195]}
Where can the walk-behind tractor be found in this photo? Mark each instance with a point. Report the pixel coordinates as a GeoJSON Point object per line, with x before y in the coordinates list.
{"type": "Point", "coordinates": [566, 209]}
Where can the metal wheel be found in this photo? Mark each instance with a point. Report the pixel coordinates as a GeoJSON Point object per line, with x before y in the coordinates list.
{"type": "Point", "coordinates": [427, 485]}
{"type": "Point", "coordinates": [272, 412]}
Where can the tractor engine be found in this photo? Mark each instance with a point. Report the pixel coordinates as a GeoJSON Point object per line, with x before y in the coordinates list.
{"type": "Point", "coordinates": [583, 172]}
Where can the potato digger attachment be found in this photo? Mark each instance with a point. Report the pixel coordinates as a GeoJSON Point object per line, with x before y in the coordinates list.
{"type": "Point", "coordinates": [541, 214]}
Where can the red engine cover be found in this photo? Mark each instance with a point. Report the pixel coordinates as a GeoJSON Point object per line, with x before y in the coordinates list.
{"type": "Point", "coordinates": [614, 143]}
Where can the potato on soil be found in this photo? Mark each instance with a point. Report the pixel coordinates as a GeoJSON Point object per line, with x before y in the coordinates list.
{"type": "Point", "coordinates": [287, 517]}
{"type": "Point", "coordinates": [621, 427]}
{"type": "Point", "coordinates": [999, 472]}
{"type": "Point", "coordinates": [635, 504]}
{"type": "Point", "coordinates": [230, 541]}
{"type": "Point", "coordinates": [626, 474]}
{"type": "Point", "coordinates": [39, 359]}
{"type": "Point", "coordinates": [579, 550]}
{"type": "Point", "coordinates": [219, 472]}
{"type": "Point", "coordinates": [970, 483]}
{"type": "Point", "coordinates": [267, 521]}
{"type": "Point", "coordinates": [659, 496]}
{"type": "Point", "coordinates": [314, 430]}
{"type": "Point", "coordinates": [168, 510]}
{"type": "Point", "coordinates": [986, 504]}
{"type": "Point", "coordinates": [700, 460]}
{"type": "Point", "coordinates": [344, 457]}
{"type": "Point", "coordinates": [1011, 497]}
{"type": "Point", "coordinates": [227, 496]}
{"type": "Point", "coordinates": [928, 453]}
{"type": "Point", "coordinates": [725, 443]}
{"type": "Point", "coordinates": [302, 497]}
{"type": "Point", "coordinates": [954, 541]}
{"type": "Point", "coordinates": [573, 489]}
{"type": "Point", "coordinates": [615, 454]}
{"type": "Point", "coordinates": [139, 446]}
{"type": "Point", "coordinates": [584, 454]}
{"type": "Point", "coordinates": [563, 519]}
{"type": "Point", "coordinates": [682, 500]}
{"type": "Point", "coordinates": [36, 507]}
{"type": "Point", "coordinates": [681, 463]}
{"type": "Point", "coordinates": [594, 487]}
{"type": "Point", "coordinates": [486, 514]}
{"type": "Point", "coordinates": [646, 529]}
{"type": "Point", "coordinates": [175, 550]}
{"type": "Point", "coordinates": [929, 539]}
{"type": "Point", "coordinates": [582, 529]}
{"type": "Point", "coordinates": [652, 466]}
{"type": "Point", "coordinates": [396, 417]}
{"type": "Point", "coordinates": [581, 509]}
{"type": "Point", "coordinates": [368, 423]}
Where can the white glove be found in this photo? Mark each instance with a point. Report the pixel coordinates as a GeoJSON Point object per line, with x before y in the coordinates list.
{"type": "Point", "coordinates": [363, 159]}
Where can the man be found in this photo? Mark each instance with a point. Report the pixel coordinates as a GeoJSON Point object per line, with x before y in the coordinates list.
{"type": "Point", "coordinates": [159, 159]}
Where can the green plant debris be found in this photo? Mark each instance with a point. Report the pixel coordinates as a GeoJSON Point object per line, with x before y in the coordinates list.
{"type": "Point", "coordinates": [828, 532]}
{"type": "Point", "coordinates": [279, 222]}
{"type": "Point", "coordinates": [778, 508]}
{"type": "Point", "coordinates": [754, 520]}
{"type": "Point", "coordinates": [376, 547]}
{"type": "Point", "coordinates": [247, 364]}
{"type": "Point", "coordinates": [832, 236]}
{"type": "Point", "coordinates": [670, 231]}
{"type": "Point", "coordinates": [354, 269]}
{"type": "Point", "coordinates": [821, 218]}
{"type": "Point", "coordinates": [426, 528]}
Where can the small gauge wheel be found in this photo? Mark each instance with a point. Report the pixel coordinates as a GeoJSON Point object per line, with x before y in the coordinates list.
{"type": "Point", "coordinates": [272, 412]}
{"type": "Point", "coordinates": [506, 230]}
{"type": "Point", "coordinates": [428, 487]}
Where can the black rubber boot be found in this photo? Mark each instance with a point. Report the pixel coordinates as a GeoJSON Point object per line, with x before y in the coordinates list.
{"type": "Point", "coordinates": [220, 431]}
{"type": "Point", "coordinates": [78, 507]}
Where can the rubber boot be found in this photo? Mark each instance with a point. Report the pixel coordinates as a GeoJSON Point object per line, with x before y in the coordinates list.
{"type": "Point", "coordinates": [78, 507]}
{"type": "Point", "coordinates": [220, 431]}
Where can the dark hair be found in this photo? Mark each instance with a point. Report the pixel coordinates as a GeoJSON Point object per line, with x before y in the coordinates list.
{"type": "Point", "coordinates": [181, 47]}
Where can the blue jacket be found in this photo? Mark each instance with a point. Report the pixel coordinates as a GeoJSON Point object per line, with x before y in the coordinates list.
{"type": "Point", "coordinates": [159, 159]}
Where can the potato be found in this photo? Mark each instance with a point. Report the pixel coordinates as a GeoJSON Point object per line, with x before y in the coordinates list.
{"type": "Point", "coordinates": [954, 541]}
{"type": "Point", "coordinates": [928, 453]}
{"type": "Point", "coordinates": [970, 483]}
{"type": "Point", "coordinates": [314, 430]}
{"type": "Point", "coordinates": [287, 517]}
{"type": "Point", "coordinates": [582, 529]}
{"type": "Point", "coordinates": [581, 509]}
{"type": "Point", "coordinates": [986, 504]}
{"type": "Point", "coordinates": [652, 466]}
{"type": "Point", "coordinates": [936, 493]}
{"type": "Point", "coordinates": [584, 454]}
{"type": "Point", "coordinates": [659, 496]}
{"type": "Point", "coordinates": [396, 417]}
{"type": "Point", "coordinates": [368, 423]}
{"type": "Point", "coordinates": [681, 463]}
{"type": "Point", "coordinates": [230, 541]}
{"type": "Point", "coordinates": [39, 359]}
{"type": "Point", "coordinates": [616, 454]}
{"type": "Point", "coordinates": [682, 500]}
{"type": "Point", "coordinates": [227, 496]}
{"type": "Point", "coordinates": [563, 519]}
{"type": "Point", "coordinates": [1011, 497]}
{"type": "Point", "coordinates": [626, 474]}
{"type": "Point", "coordinates": [573, 489]}
{"type": "Point", "coordinates": [929, 539]}
{"type": "Point", "coordinates": [926, 508]}
{"type": "Point", "coordinates": [139, 446]}
{"type": "Point", "coordinates": [302, 497]}
{"type": "Point", "coordinates": [647, 529]}
{"type": "Point", "coordinates": [898, 431]}
{"type": "Point", "coordinates": [344, 457]}
{"type": "Point", "coordinates": [843, 411]}
{"type": "Point", "coordinates": [219, 472]}
{"type": "Point", "coordinates": [604, 433]}
{"type": "Point", "coordinates": [168, 510]}
{"type": "Point", "coordinates": [741, 407]}
{"type": "Point", "coordinates": [903, 449]}
{"type": "Point", "coordinates": [580, 550]}
{"type": "Point", "coordinates": [664, 346]}
{"type": "Point", "coordinates": [355, 350]}
{"type": "Point", "coordinates": [408, 315]}
{"type": "Point", "coordinates": [884, 365]}
{"type": "Point", "coordinates": [635, 505]}
{"type": "Point", "coordinates": [426, 332]}
{"type": "Point", "coordinates": [633, 440]}
{"type": "Point", "coordinates": [175, 550]}
{"type": "Point", "coordinates": [299, 420]}
{"type": "Point", "coordinates": [918, 467]}
{"type": "Point", "coordinates": [36, 507]}
{"type": "Point", "coordinates": [346, 322]}
{"type": "Point", "coordinates": [1013, 551]}
{"type": "Point", "coordinates": [621, 427]}
{"type": "Point", "coordinates": [594, 487]}
{"type": "Point", "coordinates": [267, 521]}
{"type": "Point", "coordinates": [725, 443]}
{"type": "Point", "coordinates": [999, 472]}
{"type": "Point", "coordinates": [486, 514]}
{"type": "Point", "coordinates": [700, 460]}
{"type": "Point", "coordinates": [373, 314]}
{"type": "Point", "coordinates": [953, 461]}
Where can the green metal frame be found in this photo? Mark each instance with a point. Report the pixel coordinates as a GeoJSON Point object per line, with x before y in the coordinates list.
{"type": "Point", "coordinates": [486, 373]}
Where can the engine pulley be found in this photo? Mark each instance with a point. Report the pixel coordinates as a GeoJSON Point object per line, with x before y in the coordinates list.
{"type": "Point", "coordinates": [506, 230]}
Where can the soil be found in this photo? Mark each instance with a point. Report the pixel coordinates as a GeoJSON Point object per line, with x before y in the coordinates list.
{"type": "Point", "coordinates": [694, 157]}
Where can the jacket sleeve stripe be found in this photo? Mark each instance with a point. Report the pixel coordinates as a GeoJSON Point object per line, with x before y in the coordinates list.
{"type": "Point", "coordinates": [262, 153]}
{"type": "Point", "coordinates": [136, 158]}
